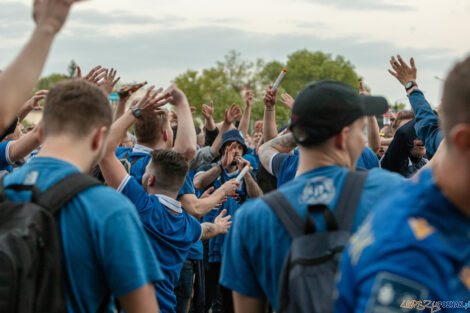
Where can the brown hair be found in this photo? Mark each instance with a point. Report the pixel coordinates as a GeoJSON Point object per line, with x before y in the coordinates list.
{"type": "Point", "coordinates": [76, 107]}
{"type": "Point", "coordinates": [170, 169]}
{"type": "Point", "coordinates": [402, 116]}
{"type": "Point", "coordinates": [149, 129]}
{"type": "Point", "coordinates": [456, 97]}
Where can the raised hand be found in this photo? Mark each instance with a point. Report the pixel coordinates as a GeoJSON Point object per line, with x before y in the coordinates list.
{"type": "Point", "coordinates": [178, 97]}
{"type": "Point", "coordinates": [207, 111]}
{"type": "Point", "coordinates": [362, 90]}
{"type": "Point", "coordinates": [51, 14]}
{"type": "Point", "coordinates": [95, 75]}
{"type": "Point", "coordinates": [223, 222]}
{"type": "Point", "coordinates": [287, 100]}
{"type": "Point", "coordinates": [270, 98]}
{"type": "Point", "coordinates": [249, 98]}
{"type": "Point", "coordinates": [241, 162]}
{"type": "Point", "coordinates": [33, 103]}
{"type": "Point", "coordinates": [150, 103]}
{"type": "Point", "coordinates": [229, 153]}
{"type": "Point", "coordinates": [402, 71]}
{"type": "Point", "coordinates": [232, 114]}
{"type": "Point", "coordinates": [108, 82]}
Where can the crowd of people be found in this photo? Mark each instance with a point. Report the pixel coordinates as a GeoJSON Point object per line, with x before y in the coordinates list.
{"type": "Point", "coordinates": [133, 208]}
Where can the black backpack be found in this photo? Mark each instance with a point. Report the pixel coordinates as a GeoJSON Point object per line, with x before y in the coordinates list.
{"type": "Point", "coordinates": [307, 279]}
{"type": "Point", "coordinates": [31, 272]}
{"type": "Point", "coordinates": [96, 171]}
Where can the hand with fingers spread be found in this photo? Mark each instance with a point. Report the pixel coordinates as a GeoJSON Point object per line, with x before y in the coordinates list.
{"type": "Point", "coordinates": [223, 222]}
{"type": "Point", "coordinates": [232, 114]}
{"type": "Point", "coordinates": [207, 111]}
{"type": "Point", "coordinates": [362, 90]}
{"type": "Point", "coordinates": [249, 98]}
{"type": "Point", "coordinates": [208, 193]}
{"type": "Point", "coordinates": [402, 71]}
{"type": "Point", "coordinates": [51, 14]}
{"type": "Point", "coordinates": [228, 156]}
{"type": "Point", "coordinates": [150, 103]}
{"type": "Point", "coordinates": [95, 75]}
{"type": "Point", "coordinates": [33, 103]}
{"type": "Point", "coordinates": [270, 98]}
{"type": "Point", "coordinates": [108, 82]}
{"type": "Point", "coordinates": [287, 100]}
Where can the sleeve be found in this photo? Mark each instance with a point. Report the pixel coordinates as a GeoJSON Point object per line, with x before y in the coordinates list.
{"type": "Point", "coordinates": [128, 258]}
{"type": "Point", "coordinates": [275, 163]}
{"type": "Point", "coordinates": [397, 153]}
{"type": "Point", "coordinates": [5, 154]}
{"type": "Point", "coordinates": [135, 192]}
{"type": "Point", "coordinates": [197, 227]}
{"type": "Point", "coordinates": [236, 272]}
{"type": "Point", "coordinates": [203, 156]}
{"type": "Point", "coordinates": [427, 122]}
{"type": "Point", "coordinates": [210, 136]}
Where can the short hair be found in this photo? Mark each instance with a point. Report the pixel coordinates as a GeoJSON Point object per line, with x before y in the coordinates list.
{"type": "Point", "coordinates": [76, 107]}
{"type": "Point", "coordinates": [456, 97]}
{"type": "Point", "coordinates": [149, 128]}
{"type": "Point", "coordinates": [169, 168]}
{"type": "Point", "coordinates": [402, 116]}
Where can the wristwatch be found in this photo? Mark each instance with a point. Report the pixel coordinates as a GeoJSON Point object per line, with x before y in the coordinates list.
{"type": "Point", "coordinates": [136, 112]}
{"type": "Point", "coordinates": [410, 85]}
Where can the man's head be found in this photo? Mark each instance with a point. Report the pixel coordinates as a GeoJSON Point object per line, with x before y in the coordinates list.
{"type": "Point", "coordinates": [402, 118]}
{"type": "Point", "coordinates": [165, 173]}
{"type": "Point", "coordinates": [230, 137]}
{"type": "Point", "coordinates": [257, 136]}
{"type": "Point", "coordinates": [80, 111]}
{"type": "Point", "coordinates": [153, 129]}
{"type": "Point", "coordinates": [329, 116]}
{"type": "Point", "coordinates": [418, 150]}
{"type": "Point", "coordinates": [455, 115]}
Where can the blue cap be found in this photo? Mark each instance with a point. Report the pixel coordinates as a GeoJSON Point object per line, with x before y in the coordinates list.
{"type": "Point", "coordinates": [233, 135]}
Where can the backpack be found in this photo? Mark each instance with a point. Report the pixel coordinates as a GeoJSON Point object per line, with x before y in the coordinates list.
{"type": "Point", "coordinates": [96, 171]}
{"type": "Point", "coordinates": [308, 274]}
{"type": "Point", "coordinates": [31, 272]}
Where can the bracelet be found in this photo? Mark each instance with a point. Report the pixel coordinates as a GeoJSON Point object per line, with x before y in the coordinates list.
{"type": "Point", "coordinates": [269, 110]}
{"type": "Point", "coordinates": [221, 168]}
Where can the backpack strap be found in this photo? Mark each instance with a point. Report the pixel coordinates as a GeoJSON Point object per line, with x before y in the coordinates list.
{"type": "Point", "coordinates": [349, 198]}
{"type": "Point", "coordinates": [65, 190]}
{"type": "Point", "coordinates": [285, 212]}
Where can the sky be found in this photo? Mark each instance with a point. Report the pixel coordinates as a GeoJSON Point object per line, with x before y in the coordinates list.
{"type": "Point", "coordinates": [158, 40]}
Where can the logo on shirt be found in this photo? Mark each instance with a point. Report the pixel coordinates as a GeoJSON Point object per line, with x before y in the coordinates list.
{"type": "Point", "coordinates": [465, 276]}
{"type": "Point", "coordinates": [318, 190]}
{"type": "Point", "coordinates": [420, 227]}
{"type": "Point", "coordinates": [361, 240]}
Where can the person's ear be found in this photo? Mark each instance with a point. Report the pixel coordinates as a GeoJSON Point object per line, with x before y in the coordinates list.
{"type": "Point", "coordinates": [99, 138]}
{"type": "Point", "coordinates": [151, 180]}
{"type": "Point", "coordinates": [165, 135]}
{"type": "Point", "coordinates": [341, 139]}
{"type": "Point", "coordinates": [460, 137]}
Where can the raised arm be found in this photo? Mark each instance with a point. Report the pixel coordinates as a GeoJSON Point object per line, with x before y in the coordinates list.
{"type": "Point", "coordinates": [245, 120]}
{"type": "Point", "coordinates": [32, 104]}
{"type": "Point", "coordinates": [373, 132]}
{"type": "Point", "coordinates": [25, 145]}
{"type": "Point", "coordinates": [269, 119]}
{"type": "Point", "coordinates": [20, 77]}
{"type": "Point", "coordinates": [281, 144]}
{"type": "Point", "coordinates": [202, 180]}
{"type": "Point", "coordinates": [185, 142]}
{"type": "Point", "coordinates": [231, 115]}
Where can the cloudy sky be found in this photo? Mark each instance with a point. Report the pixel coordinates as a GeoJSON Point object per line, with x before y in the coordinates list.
{"type": "Point", "coordinates": [157, 40]}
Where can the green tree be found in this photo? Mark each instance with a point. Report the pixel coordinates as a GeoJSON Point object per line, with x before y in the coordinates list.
{"type": "Point", "coordinates": [71, 69]}
{"type": "Point", "coordinates": [50, 81]}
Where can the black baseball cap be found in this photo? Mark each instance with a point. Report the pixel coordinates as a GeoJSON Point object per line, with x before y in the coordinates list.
{"type": "Point", "coordinates": [323, 108]}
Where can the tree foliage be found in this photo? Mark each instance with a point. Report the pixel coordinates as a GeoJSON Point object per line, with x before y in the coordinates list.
{"type": "Point", "coordinates": [224, 83]}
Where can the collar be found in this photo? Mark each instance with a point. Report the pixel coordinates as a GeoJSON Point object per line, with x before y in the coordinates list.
{"type": "Point", "coordinates": [170, 203]}
{"type": "Point", "coordinates": [142, 149]}
{"type": "Point", "coordinates": [233, 174]}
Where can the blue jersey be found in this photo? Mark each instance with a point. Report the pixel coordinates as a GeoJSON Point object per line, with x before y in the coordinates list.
{"type": "Point", "coordinates": [104, 244]}
{"type": "Point", "coordinates": [5, 163]}
{"type": "Point", "coordinates": [172, 232]}
{"type": "Point", "coordinates": [141, 153]}
{"type": "Point", "coordinates": [196, 251]}
{"type": "Point", "coordinates": [415, 246]}
{"type": "Point", "coordinates": [258, 244]}
{"type": "Point", "coordinates": [284, 165]}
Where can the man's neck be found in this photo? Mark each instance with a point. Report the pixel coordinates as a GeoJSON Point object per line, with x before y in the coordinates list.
{"type": "Point", "coordinates": [160, 145]}
{"type": "Point", "coordinates": [231, 168]}
{"type": "Point", "coordinates": [452, 175]}
{"type": "Point", "coordinates": [310, 159]}
{"type": "Point", "coordinates": [72, 151]}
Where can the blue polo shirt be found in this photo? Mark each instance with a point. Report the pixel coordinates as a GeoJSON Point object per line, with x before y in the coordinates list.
{"type": "Point", "coordinates": [415, 246]}
{"type": "Point", "coordinates": [284, 165]}
{"type": "Point", "coordinates": [257, 243]}
{"type": "Point", "coordinates": [196, 251]}
{"type": "Point", "coordinates": [171, 231]}
{"type": "Point", "coordinates": [142, 153]}
{"type": "Point", "coordinates": [5, 163]}
{"type": "Point", "coordinates": [105, 247]}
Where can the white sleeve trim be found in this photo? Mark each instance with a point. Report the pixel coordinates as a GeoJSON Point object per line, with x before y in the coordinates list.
{"type": "Point", "coordinates": [202, 233]}
{"type": "Point", "coordinates": [123, 183]}
{"type": "Point", "coordinates": [270, 169]}
{"type": "Point", "coordinates": [7, 153]}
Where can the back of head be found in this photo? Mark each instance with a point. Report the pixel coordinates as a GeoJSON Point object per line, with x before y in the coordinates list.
{"type": "Point", "coordinates": [169, 168]}
{"type": "Point", "coordinates": [149, 129]}
{"type": "Point", "coordinates": [456, 98]}
{"type": "Point", "coordinates": [75, 108]}
{"type": "Point", "coordinates": [402, 118]}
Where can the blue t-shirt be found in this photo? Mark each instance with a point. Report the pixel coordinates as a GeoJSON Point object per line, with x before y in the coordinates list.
{"type": "Point", "coordinates": [231, 205]}
{"type": "Point", "coordinates": [171, 231]}
{"type": "Point", "coordinates": [196, 251]}
{"type": "Point", "coordinates": [5, 163]}
{"type": "Point", "coordinates": [104, 244]}
{"type": "Point", "coordinates": [254, 161]}
{"type": "Point", "coordinates": [415, 246]}
{"type": "Point", "coordinates": [257, 242]}
{"type": "Point", "coordinates": [284, 165]}
{"type": "Point", "coordinates": [143, 158]}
